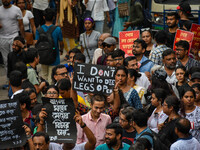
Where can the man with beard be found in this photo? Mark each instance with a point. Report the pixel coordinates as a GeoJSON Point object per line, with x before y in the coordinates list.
{"type": "Point", "coordinates": [139, 47]}
{"type": "Point", "coordinates": [182, 51]}
{"type": "Point", "coordinates": [172, 23]}
{"type": "Point", "coordinates": [17, 55]}
{"type": "Point", "coordinates": [109, 46]}
{"type": "Point", "coordinates": [125, 121]}
{"type": "Point", "coordinates": [118, 56]}
{"type": "Point", "coordinates": [10, 24]}
{"type": "Point", "coordinates": [169, 61]}
{"type": "Point", "coordinates": [113, 138]}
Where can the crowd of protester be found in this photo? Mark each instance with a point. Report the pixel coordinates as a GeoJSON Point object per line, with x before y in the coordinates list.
{"type": "Point", "coordinates": [157, 90]}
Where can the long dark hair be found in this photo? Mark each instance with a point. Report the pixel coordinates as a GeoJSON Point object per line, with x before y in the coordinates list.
{"type": "Point", "coordinates": [173, 101]}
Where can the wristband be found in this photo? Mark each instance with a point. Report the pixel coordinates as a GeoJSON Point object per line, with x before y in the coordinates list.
{"type": "Point", "coordinates": [83, 126]}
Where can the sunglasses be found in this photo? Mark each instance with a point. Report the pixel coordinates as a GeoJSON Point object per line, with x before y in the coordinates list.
{"type": "Point", "coordinates": [106, 45]}
{"type": "Point", "coordinates": [145, 29]}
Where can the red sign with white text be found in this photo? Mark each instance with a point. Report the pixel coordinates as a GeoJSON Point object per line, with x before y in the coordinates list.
{"type": "Point", "coordinates": [183, 35]}
{"type": "Point", "coordinates": [126, 39]}
{"type": "Point", "coordinates": [196, 40]}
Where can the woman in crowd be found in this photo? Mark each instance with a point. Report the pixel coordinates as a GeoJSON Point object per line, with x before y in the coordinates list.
{"type": "Point", "coordinates": [171, 108]}
{"type": "Point", "coordinates": [52, 92]}
{"type": "Point", "coordinates": [133, 75]}
{"type": "Point", "coordinates": [190, 111]}
{"type": "Point", "coordinates": [158, 116]}
{"type": "Point", "coordinates": [28, 18]}
{"type": "Point", "coordinates": [130, 94]}
{"type": "Point", "coordinates": [32, 95]}
{"type": "Point", "coordinates": [196, 88]}
{"type": "Point", "coordinates": [89, 39]}
{"type": "Point", "coordinates": [180, 72]}
{"type": "Point", "coordinates": [147, 36]}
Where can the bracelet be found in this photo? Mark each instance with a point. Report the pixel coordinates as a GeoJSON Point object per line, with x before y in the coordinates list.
{"type": "Point", "coordinates": [28, 136]}
{"type": "Point", "coordinates": [83, 126]}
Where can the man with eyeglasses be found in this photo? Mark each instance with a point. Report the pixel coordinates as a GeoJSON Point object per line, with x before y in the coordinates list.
{"type": "Point", "coordinates": [118, 56]}
{"type": "Point", "coordinates": [59, 72]}
{"type": "Point", "coordinates": [99, 51]}
{"type": "Point", "coordinates": [125, 121]}
{"type": "Point", "coordinates": [109, 45]}
{"type": "Point", "coordinates": [182, 51]}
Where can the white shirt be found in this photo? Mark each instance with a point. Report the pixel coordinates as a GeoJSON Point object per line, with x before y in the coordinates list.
{"type": "Point", "coordinates": [154, 120]}
{"type": "Point", "coordinates": [97, 53]}
{"type": "Point", "coordinates": [143, 81]}
{"type": "Point", "coordinates": [26, 20]}
{"type": "Point", "coordinates": [40, 4]}
{"type": "Point", "coordinates": [80, 146]}
{"type": "Point", "coordinates": [9, 20]}
{"type": "Point", "coordinates": [186, 144]}
{"type": "Point", "coordinates": [17, 92]}
{"type": "Point", "coordinates": [100, 6]}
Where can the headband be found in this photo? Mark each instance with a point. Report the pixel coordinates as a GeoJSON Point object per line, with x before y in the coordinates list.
{"type": "Point", "coordinates": [89, 19]}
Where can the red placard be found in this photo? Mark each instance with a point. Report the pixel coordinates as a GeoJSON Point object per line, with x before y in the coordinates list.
{"type": "Point", "coordinates": [196, 40]}
{"type": "Point", "coordinates": [183, 35]}
{"type": "Point", "coordinates": [126, 39]}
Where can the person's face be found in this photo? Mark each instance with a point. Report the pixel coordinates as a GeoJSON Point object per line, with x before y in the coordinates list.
{"type": "Point", "coordinates": [133, 65]}
{"type": "Point", "coordinates": [180, 75]}
{"type": "Point", "coordinates": [154, 100]}
{"type": "Point", "coordinates": [123, 121]}
{"type": "Point", "coordinates": [61, 73]}
{"type": "Point", "coordinates": [64, 93]}
{"type": "Point", "coordinates": [110, 138]}
{"type": "Point", "coordinates": [197, 94]}
{"type": "Point", "coordinates": [6, 3]}
{"type": "Point", "coordinates": [88, 25]}
{"type": "Point", "coordinates": [194, 81]}
{"type": "Point", "coordinates": [166, 110]}
{"type": "Point", "coordinates": [37, 60]}
{"type": "Point", "coordinates": [16, 46]}
{"type": "Point", "coordinates": [118, 61]}
{"type": "Point", "coordinates": [21, 4]}
{"type": "Point", "coordinates": [181, 52]}
{"type": "Point", "coordinates": [171, 21]}
{"type": "Point", "coordinates": [108, 48]}
{"type": "Point", "coordinates": [39, 143]}
{"type": "Point", "coordinates": [170, 61]}
{"type": "Point", "coordinates": [110, 98]}
{"type": "Point", "coordinates": [120, 77]}
{"type": "Point", "coordinates": [52, 93]}
{"type": "Point", "coordinates": [110, 61]}
{"type": "Point", "coordinates": [137, 49]}
{"type": "Point", "coordinates": [146, 36]}
{"type": "Point", "coordinates": [71, 56]}
{"type": "Point", "coordinates": [97, 108]}
{"type": "Point", "coordinates": [33, 99]}
{"type": "Point", "coordinates": [188, 99]}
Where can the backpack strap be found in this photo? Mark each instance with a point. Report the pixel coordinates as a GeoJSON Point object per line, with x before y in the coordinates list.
{"type": "Point", "coordinates": [146, 133]}
{"type": "Point", "coordinates": [145, 62]}
{"type": "Point", "coordinates": [51, 29]}
{"type": "Point", "coordinates": [40, 30]}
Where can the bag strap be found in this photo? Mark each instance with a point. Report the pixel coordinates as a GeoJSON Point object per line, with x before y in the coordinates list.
{"type": "Point", "coordinates": [145, 62]}
{"type": "Point", "coordinates": [86, 46]}
{"type": "Point", "coordinates": [93, 5]}
{"type": "Point", "coordinates": [51, 29]}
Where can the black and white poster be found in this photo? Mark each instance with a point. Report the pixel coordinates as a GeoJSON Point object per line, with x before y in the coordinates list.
{"type": "Point", "coordinates": [12, 133]}
{"type": "Point", "coordinates": [60, 125]}
{"type": "Point", "coordinates": [91, 78]}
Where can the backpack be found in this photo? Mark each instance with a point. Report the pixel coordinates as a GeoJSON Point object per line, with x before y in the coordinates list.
{"type": "Point", "coordinates": [45, 46]}
{"type": "Point", "coordinates": [157, 143]}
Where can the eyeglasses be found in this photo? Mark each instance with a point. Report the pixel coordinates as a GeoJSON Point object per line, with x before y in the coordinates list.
{"type": "Point", "coordinates": [21, 3]}
{"type": "Point", "coordinates": [52, 93]}
{"type": "Point", "coordinates": [179, 49]}
{"type": "Point", "coordinates": [118, 59]}
{"type": "Point", "coordinates": [145, 29]}
{"type": "Point", "coordinates": [63, 74]}
{"type": "Point", "coordinates": [106, 45]}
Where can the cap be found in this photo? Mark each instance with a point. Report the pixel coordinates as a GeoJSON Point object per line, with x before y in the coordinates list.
{"type": "Point", "coordinates": [184, 7]}
{"type": "Point", "coordinates": [195, 75]}
{"type": "Point", "coordinates": [110, 41]}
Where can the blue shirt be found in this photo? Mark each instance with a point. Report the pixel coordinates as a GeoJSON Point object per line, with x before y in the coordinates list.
{"type": "Point", "coordinates": [144, 136]}
{"type": "Point", "coordinates": [57, 36]}
{"type": "Point", "coordinates": [105, 147]}
{"type": "Point", "coordinates": [147, 67]}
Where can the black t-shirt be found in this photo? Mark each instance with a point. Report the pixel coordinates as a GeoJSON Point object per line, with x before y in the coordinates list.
{"type": "Point", "coordinates": [171, 37]}
{"type": "Point", "coordinates": [128, 137]}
